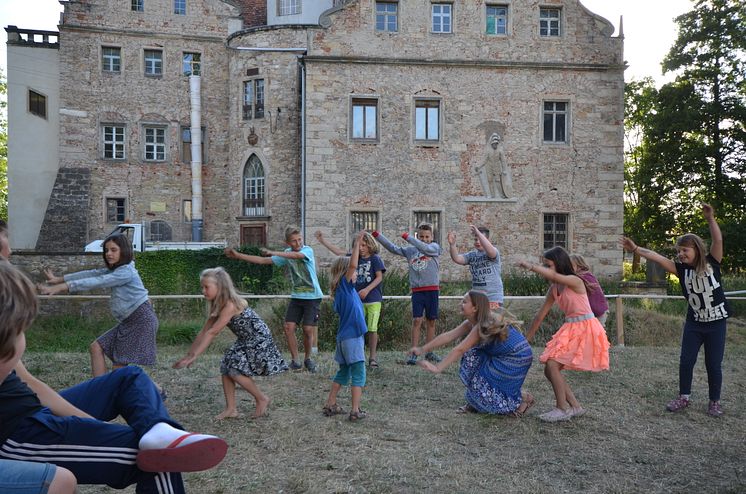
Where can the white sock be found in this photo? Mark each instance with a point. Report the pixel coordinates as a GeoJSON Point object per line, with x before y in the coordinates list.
{"type": "Point", "coordinates": [314, 350]}
{"type": "Point", "coordinates": [162, 434]}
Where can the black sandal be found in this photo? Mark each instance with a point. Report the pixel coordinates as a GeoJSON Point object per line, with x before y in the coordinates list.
{"type": "Point", "coordinates": [373, 364]}
{"type": "Point", "coordinates": [332, 410]}
{"type": "Point", "coordinates": [359, 415]}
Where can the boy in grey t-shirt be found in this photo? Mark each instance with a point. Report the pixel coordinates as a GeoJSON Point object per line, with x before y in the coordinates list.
{"type": "Point", "coordinates": [484, 263]}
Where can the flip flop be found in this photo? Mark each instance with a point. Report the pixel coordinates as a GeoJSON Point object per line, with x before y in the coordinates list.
{"type": "Point", "coordinates": [193, 457]}
{"type": "Point", "coordinates": [530, 401]}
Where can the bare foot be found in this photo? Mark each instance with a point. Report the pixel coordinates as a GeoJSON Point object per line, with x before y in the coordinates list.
{"type": "Point", "coordinates": [227, 414]}
{"type": "Point", "coordinates": [261, 408]}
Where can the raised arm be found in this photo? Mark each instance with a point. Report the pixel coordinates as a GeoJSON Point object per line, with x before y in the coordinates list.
{"type": "Point", "coordinates": [234, 254]}
{"type": "Point", "coordinates": [351, 273]}
{"type": "Point", "coordinates": [455, 256]}
{"type": "Point", "coordinates": [212, 327]}
{"type": "Point", "coordinates": [394, 249]}
{"type": "Point", "coordinates": [331, 247]}
{"type": "Point", "coordinates": [432, 249]}
{"type": "Point", "coordinates": [489, 249]}
{"type": "Point", "coordinates": [471, 340]}
{"type": "Point", "coordinates": [716, 236]}
{"type": "Point", "coordinates": [630, 246]}
{"type": "Point", "coordinates": [49, 397]}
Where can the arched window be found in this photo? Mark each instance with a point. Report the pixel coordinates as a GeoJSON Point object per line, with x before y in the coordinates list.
{"type": "Point", "coordinates": [160, 231]}
{"type": "Point", "coordinates": [253, 187]}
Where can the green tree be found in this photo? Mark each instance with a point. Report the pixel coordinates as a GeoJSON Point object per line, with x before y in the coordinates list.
{"type": "Point", "coordinates": [3, 150]}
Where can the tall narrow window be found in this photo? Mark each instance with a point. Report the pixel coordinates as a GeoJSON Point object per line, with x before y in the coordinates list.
{"type": "Point", "coordinates": [387, 16]}
{"type": "Point", "coordinates": [113, 142]}
{"type": "Point", "coordinates": [555, 230]}
{"type": "Point", "coordinates": [253, 187]}
{"type": "Point", "coordinates": [111, 59]}
{"type": "Point", "coordinates": [497, 19]}
{"type": "Point", "coordinates": [116, 210]}
{"type": "Point", "coordinates": [153, 63]}
{"type": "Point", "coordinates": [430, 217]}
{"type": "Point", "coordinates": [442, 18]}
{"type": "Point", "coordinates": [555, 121]}
{"type": "Point", "coordinates": [155, 144]}
{"type": "Point", "coordinates": [37, 104]}
{"type": "Point", "coordinates": [180, 7]}
{"type": "Point", "coordinates": [186, 211]}
{"type": "Point", "coordinates": [190, 64]}
{"type": "Point", "coordinates": [549, 22]}
{"type": "Point", "coordinates": [364, 118]}
{"type": "Point", "coordinates": [288, 7]}
{"type": "Point", "coordinates": [427, 120]}
{"type": "Point", "coordinates": [362, 220]}
{"type": "Point", "coordinates": [138, 5]}
{"type": "Point", "coordinates": [253, 99]}
{"type": "Point", "coordinates": [186, 145]}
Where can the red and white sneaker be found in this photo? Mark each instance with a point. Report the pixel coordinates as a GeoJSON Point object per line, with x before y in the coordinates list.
{"type": "Point", "coordinates": [678, 404]}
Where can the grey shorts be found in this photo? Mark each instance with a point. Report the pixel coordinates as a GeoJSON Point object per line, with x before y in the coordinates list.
{"type": "Point", "coordinates": [305, 310]}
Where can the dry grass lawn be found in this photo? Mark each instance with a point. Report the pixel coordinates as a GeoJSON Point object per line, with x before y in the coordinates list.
{"type": "Point", "coordinates": [413, 441]}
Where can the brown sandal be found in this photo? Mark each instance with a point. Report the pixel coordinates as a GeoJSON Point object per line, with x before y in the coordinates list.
{"type": "Point", "coordinates": [359, 415]}
{"type": "Point", "coordinates": [466, 409]}
{"type": "Point", "coordinates": [332, 410]}
{"type": "Point", "coordinates": [526, 404]}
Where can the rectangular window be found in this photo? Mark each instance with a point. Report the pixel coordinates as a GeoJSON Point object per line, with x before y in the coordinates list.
{"type": "Point", "coordinates": [180, 7]}
{"type": "Point", "coordinates": [254, 192]}
{"type": "Point", "coordinates": [155, 144]}
{"type": "Point", "coordinates": [190, 64]}
{"type": "Point", "coordinates": [497, 19]}
{"type": "Point", "coordinates": [37, 104]}
{"type": "Point", "coordinates": [555, 121]}
{"type": "Point", "coordinates": [113, 139]}
{"type": "Point", "coordinates": [427, 120]}
{"type": "Point", "coordinates": [138, 5]}
{"type": "Point", "coordinates": [387, 17]}
{"type": "Point", "coordinates": [431, 217]}
{"type": "Point", "coordinates": [116, 210]}
{"type": "Point", "coordinates": [288, 7]}
{"type": "Point", "coordinates": [442, 17]}
{"type": "Point", "coordinates": [186, 211]}
{"type": "Point", "coordinates": [253, 99]}
{"type": "Point", "coordinates": [186, 145]}
{"type": "Point", "coordinates": [362, 220]}
{"type": "Point", "coordinates": [153, 63]}
{"type": "Point", "coordinates": [549, 22]}
{"type": "Point", "coordinates": [364, 118]}
{"type": "Point", "coordinates": [111, 59]}
{"type": "Point", "coordinates": [555, 230]}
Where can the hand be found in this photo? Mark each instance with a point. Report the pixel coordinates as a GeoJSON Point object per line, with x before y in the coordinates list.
{"type": "Point", "coordinates": [451, 238]}
{"type": "Point", "coordinates": [51, 278]}
{"type": "Point", "coordinates": [265, 252]}
{"type": "Point", "coordinates": [428, 366]}
{"type": "Point", "coordinates": [363, 294]}
{"type": "Point", "coordinates": [708, 211]}
{"type": "Point", "coordinates": [526, 265]}
{"type": "Point", "coordinates": [417, 350]}
{"type": "Point", "coordinates": [51, 289]}
{"type": "Point", "coordinates": [319, 236]}
{"type": "Point", "coordinates": [184, 362]}
{"type": "Point", "coordinates": [628, 244]}
{"type": "Point", "coordinates": [230, 253]}
{"type": "Point", "coordinates": [474, 230]}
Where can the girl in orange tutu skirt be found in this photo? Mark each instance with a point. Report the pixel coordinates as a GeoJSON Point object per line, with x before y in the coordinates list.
{"type": "Point", "coordinates": [579, 344]}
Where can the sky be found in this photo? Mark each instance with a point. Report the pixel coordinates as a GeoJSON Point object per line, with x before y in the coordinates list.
{"type": "Point", "coordinates": [649, 29]}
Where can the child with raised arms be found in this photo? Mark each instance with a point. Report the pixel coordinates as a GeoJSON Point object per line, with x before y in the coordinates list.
{"type": "Point", "coordinates": [252, 354]}
{"type": "Point", "coordinates": [350, 353]}
{"type": "Point", "coordinates": [484, 264]}
{"type": "Point", "coordinates": [370, 269]}
{"type": "Point", "coordinates": [132, 340]}
{"type": "Point", "coordinates": [707, 314]}
{"type": "Point", "coordinates": [579, 344]}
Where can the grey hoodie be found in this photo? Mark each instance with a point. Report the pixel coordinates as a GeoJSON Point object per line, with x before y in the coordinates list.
{"type": "Point", "coordinates": [422, 258]}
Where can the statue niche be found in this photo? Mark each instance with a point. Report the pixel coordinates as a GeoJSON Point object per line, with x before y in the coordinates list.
{"type": "Point", "coordinates": [494, 171]}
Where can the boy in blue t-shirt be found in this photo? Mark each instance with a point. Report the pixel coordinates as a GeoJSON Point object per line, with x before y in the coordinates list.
{"type": "Point", "coordinates": [305, 297]}
{"type": "Point", "coordinates": [484, 263]}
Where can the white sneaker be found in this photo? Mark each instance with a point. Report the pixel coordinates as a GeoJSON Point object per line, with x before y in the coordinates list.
{"type": "Point", "coordinates": [577, 412]}
{"type": "Point", "coordinates": [556, 415]}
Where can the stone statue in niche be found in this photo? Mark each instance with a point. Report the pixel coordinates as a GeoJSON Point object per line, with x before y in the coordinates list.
{"type": "Point", "coordinates": [494, 171]}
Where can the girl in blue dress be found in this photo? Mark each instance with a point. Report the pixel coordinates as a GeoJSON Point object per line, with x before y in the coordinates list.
{"type": "Point", "coordinates": [495, 358]}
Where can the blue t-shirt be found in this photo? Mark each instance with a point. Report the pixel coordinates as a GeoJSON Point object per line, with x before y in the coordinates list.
{"type": "Point", "coordinates": [350, 309]}
{"type": "Point", "coordinates": [367, 268]}
{"type": "Point", "coordinates": [302, 274]}
{"type": "Point", "coordinates": [485, 274]}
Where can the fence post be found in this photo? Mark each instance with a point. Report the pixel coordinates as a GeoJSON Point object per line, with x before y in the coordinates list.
{"type": "Point", "coordinates": [619, 322]}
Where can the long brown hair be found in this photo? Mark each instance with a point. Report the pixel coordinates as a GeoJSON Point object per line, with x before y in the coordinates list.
{"type": "Point", "coordinates": [700, 250]}
{"type": "Point", "coordinates": [226, 291]}
{"type": "Point", "coordinates": [491, 326]}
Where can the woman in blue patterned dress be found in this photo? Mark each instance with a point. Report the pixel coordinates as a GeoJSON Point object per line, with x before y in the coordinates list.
{"type": "Point", "coordinates": [495, 358]}
{"type": "Point", "coordinates": [254, 352]}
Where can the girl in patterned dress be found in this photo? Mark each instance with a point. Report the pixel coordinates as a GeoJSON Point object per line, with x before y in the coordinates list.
{"type": "Point", "coordinates": [495, 358]}
{"type": "Point", "coordinates": [132, 340]}
{"type": "Point", "coordinates": [579, 344]}
{"type": "Point", "coordinates": [254, 352]}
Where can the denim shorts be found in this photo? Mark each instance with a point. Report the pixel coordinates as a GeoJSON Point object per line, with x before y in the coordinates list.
{"type": "Point", "coordinates": [25, 477]}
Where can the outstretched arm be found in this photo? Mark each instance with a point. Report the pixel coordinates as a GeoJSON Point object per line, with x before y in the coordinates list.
{"type": "Point", "coordinates": [630, 246]}
{"type": "Point", "coordinates": [234, 254]}
{"type": "Point", "coordinates": [570, 280]}
{"type": "Point", "coordinates": [432, 249]}
{"type": "Point", "coordinates": [489, 249]}
{"type": "Point", "coordinates": [394, 249]}
{"type": "Point", "coordinates": [49, 397]}
{"type": "Point", "coordinates": [209, 331]}
{"type": "Point", "coordinates": [716, 236]}
{"type": "Point", "coordinates": [471, 340]}
{"type": "Point", "coordinates": [455, 256]}
{"type": "Point", "coordinates": [332, 248]}
{"type": "Point", "coordinates": [443, 338]}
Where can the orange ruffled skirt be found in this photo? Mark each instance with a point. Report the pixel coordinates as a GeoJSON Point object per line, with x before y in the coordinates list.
{"type": "Point", "coordinates": [579, 346]}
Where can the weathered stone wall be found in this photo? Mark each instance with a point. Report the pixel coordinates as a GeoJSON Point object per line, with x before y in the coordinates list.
{"type": "Point", "coordinates": [64, 226]}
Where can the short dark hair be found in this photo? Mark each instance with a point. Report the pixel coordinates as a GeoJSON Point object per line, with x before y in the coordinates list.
{"type": "Point", "coordinates": [485, 231]}
{"type": "Point", "coordinates": [125, 249]}
{"type": "Point", "coordinates": [425, 226]}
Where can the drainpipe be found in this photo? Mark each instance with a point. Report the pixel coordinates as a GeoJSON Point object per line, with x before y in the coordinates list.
{"type": "Point", "coordinates": [196, 148]}
{"type": "Point", "coordinates": [302, 147]}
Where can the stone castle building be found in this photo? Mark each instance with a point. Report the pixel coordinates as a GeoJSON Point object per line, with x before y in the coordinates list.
{"type": "Point", "coordinates": [333, 115]}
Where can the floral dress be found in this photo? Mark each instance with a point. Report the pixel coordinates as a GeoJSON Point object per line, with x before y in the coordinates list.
{"type": "Point", "coordinates": [254, 352]}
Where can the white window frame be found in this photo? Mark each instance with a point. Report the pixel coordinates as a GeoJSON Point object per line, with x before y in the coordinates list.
{"type": "Point", "coordinates": [428, 105]}
{"type": "Point", "coordinates": [497, 15]}
{"type": "Point", "coordinates": [152, 65]}
{"type": "Point", "coordinates": [111, 62]}
{"type": "Point", "coordinates": [550, 22]}
{"type": "Point", "coordinates": [113, 140]}
{"type": "Point", "coordinates": [185, 140]}
{"type": "Point", "coordinates": [550, 232]}
{"type": "Point", "coordinates": [191, 63]}
{"type": "Point", "coordinates": [441, 22]}
{"type": "Point", "coordinates": [258, 87]}
{"type": "Point", "coordinates": [386, 15]}
{"type": "Point", "coordinates": [360, 114]}
{"type": "Point", "coordinates": [119, 207]}
{"type": "Point", "coordinates": [137, 5]}
{"type": "Point", "coordinates": [180, 7]}
{"type": "Point", "coordinates": [288, 7]}
{"type": "Point", "coordinates": [254, 188]}
{"type": "Point", "coordinates": [155, 145]}
{"type": "Point", "coordinates": [557, 117]}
